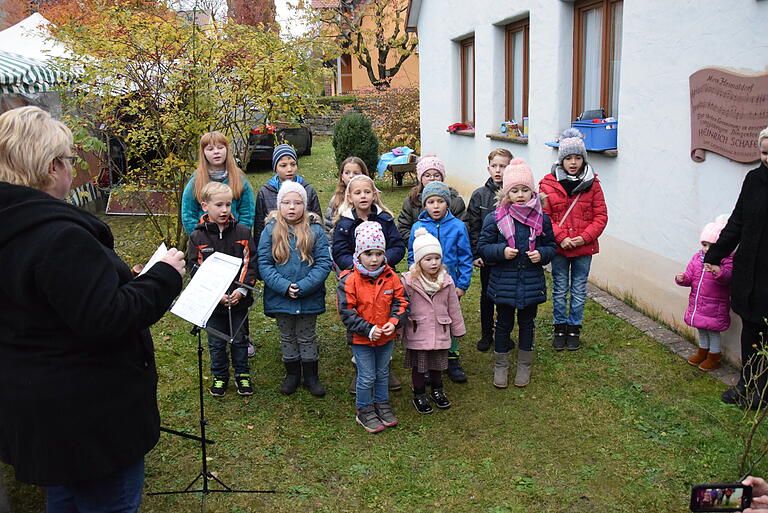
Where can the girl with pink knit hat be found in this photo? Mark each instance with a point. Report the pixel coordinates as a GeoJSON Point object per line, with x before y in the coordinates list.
{"type": "Point", "coordinates": [429, 168]}
{"type": "Point", "coordinates": [709, 303]}
{"type": "Point", "coordinates": [516, 241]}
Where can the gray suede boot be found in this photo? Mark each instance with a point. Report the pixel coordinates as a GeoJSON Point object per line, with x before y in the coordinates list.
{"type": "Point", "coordinates": [501, 370]}
{"type": "Point", "coordinates": [524, 361]}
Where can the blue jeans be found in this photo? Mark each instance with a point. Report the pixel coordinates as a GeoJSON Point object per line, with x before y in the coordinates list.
{"type": "Point", "coordinates": [569, 274]}
{"type": "Point", "coordinates": [372, 373]}
{"type": "Point", "coordinates": [118, 493]}
{"type": "Point", "coordinates": [217, 347]}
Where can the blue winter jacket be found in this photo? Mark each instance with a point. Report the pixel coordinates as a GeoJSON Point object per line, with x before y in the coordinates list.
{"type": "Point", "coordinates": [310, 279]}
{"type": "Point", "coordinates": [243, 208]}
{"type": "Point", "coordinates": [344, 237]}
{"type": "Point", "coordinates": [454, 239]}
{"type": "Point", "coordinates": [517, 282]}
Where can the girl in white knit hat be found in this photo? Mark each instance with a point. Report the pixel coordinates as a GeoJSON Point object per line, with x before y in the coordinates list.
{"type": "Point", "coordinates": [434, 317]}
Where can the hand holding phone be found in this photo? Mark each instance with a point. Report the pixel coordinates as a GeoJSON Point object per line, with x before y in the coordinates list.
{"type": "Point", "coordinates": [720, 497]}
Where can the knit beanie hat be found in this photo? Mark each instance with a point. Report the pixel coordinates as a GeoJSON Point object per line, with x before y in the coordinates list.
{"type": "Point", "coordinates": [430, 162]}
{"type": "Point", "coordinates": [283, 150]}
{"type": "Point", "coordinates": [424, 243]}
{"type": "Point", "coordinates": [571, 143]}
{"type": "Point", "coordinates": [517, 173]}
{"type": "Point", "coordinates": [711, 231]}
{"type": "Point", "coordinates": [291, 186]}
{"type": "Point", "coordinates": [436, 189]}
{"type": "Point", "coordinates": [369, 235]}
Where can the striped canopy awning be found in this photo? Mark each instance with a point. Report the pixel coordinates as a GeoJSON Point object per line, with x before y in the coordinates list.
{"type": "Point", "coordinates": [24, 75]}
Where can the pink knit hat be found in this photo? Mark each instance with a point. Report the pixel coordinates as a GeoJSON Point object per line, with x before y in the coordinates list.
{"type": "Point", "coordinates": [517, 173]}
{"type": "Point", "coordinates": [711, 231]}
{"type": "Point", "coordinates": [430, 162]}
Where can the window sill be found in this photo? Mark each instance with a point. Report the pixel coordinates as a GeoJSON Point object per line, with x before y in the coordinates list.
{"type": "Point", "coordinates": [507, 138]}
{"type": "Point", "coordinates": [465, 133]}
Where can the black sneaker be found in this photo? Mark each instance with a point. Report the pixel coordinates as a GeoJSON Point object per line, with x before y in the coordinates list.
{"type": "Point", "coordinates": [438, 396]}
{"type": "Point", "coordinates": [572, 338]}
{"type": "Point", "coordinates": [484, 344]}
{"type": "Point", "coordinates": [385, 413]}
{"type": "Point", "coordinates": [558, 337]}
{"type": "Point", "coordinates": [243, 384]}
{"type": "Point", "coordinates": [368, 418]}
{"type": "Point", "coordinates": [421, 403]}
{"type": "Point", "coordinates": [219, 386]}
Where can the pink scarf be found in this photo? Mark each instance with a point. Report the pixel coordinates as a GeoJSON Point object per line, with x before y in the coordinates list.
{"type": "Point", "coordinates": [529, 214]}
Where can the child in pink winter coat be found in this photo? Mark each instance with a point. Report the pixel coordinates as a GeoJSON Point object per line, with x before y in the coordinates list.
{"type": "Point", "coordinates": [709, 303]}
{"type": "Point", "coordinates": [434, 316]}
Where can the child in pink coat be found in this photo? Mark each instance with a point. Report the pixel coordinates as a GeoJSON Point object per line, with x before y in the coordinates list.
{"type": "Point", "coordinates": [709, 303]}
{"type": "Point", "coordinates": [434, 317]}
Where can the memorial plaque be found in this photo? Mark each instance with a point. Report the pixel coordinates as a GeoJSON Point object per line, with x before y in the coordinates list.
{"type": "Point", "coordinates": [728, 111]}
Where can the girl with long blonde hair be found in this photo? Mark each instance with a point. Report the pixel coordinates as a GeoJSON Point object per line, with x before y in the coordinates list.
{"type": "Point", "coordinates": [294, 262]}
{"type": "Point", "coordinates": [215, 162]}
{"type": "Point", "coordinates": [350, 166]}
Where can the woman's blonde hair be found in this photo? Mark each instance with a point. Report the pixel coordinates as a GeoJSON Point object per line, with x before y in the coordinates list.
{"type": "Point", "coordinates": [281, 233]}
{"type": "Point", "coordinates": [341, 187]}
{"type": "Point", "coordinates": [234, 174]}
{"type": "Point", "coordinates": [30, 139]}
{"type": "Point", "coordinates": [348, 204]}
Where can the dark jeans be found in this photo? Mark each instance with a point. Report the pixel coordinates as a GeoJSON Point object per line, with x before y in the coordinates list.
{"type": "Point", "coordinates": [118, 493]}
{"type": "Point", "coordinates": [505, 321]}
{"type": "Point", "coordinates": [217, 347]}
{"type": "Point", "coordinates": [486, 304]}
{"type": "Point", "coordinates": [753, 366]}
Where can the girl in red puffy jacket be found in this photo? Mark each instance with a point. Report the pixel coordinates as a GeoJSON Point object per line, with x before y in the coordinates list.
{"type": "Point", "coordinates": [709, 303]}
{"type": "Point", "coordinates": [574, 201]}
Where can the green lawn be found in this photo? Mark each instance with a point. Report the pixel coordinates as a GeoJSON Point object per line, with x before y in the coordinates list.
{"type": "Point", "coordinates": [623, 425]}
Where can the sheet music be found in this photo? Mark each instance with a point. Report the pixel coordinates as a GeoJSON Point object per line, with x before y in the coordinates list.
{"type": "Point", "coordinates": [211, 281]}
{"type": "Point", "coordinates": [159, 253]}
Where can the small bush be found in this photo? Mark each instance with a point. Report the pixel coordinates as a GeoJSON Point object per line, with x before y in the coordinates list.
{"type": "Point", "coordinates": [395, 116]}
{"type": "Point", "coordinates": [354, 136]}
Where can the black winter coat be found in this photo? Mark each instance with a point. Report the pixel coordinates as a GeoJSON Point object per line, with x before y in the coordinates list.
{"type": "Point", "coordinates": [482, 202]}
{"type": "Point", "coordinates": [77, 368]}
{"type": "Point", "coordinates": [747, 228]}
{"type": "Point", "coordinates": [517, 282]}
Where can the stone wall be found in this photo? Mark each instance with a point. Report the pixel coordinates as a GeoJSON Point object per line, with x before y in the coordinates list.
{"type": "Point", "coordinates": [323, 125]}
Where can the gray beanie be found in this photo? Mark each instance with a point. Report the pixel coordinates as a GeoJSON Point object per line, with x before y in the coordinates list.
{"type": "Point", "coordinates": [435, 189]}
{"type": "Point", "coordinates": [571, 143]}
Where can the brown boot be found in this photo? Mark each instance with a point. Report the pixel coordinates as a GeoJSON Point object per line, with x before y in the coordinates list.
{"type": "Point", "coordinates": [700, 356]}
{"type": "Point", "coordinates": [712, 362]}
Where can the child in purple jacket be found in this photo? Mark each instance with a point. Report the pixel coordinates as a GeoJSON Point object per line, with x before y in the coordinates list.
{"type": "Point", "coordinates": [709, 303]}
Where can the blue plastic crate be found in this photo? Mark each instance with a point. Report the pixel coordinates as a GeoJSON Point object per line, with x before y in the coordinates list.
{"type": "Point", "coordinates": [598, 136]}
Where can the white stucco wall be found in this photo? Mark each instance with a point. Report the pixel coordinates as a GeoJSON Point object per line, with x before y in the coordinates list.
{"type": "Point", "coordinates": [658, 198]}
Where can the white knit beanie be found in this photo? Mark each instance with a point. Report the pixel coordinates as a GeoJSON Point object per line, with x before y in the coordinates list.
{"type": "Point", "coordinates": [424, 243]}
{"type": "Point", "coordinates": [291, 186]}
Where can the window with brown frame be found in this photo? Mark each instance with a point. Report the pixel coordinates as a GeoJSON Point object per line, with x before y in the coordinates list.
{"type": "Point", "coordinates": [468, 81]}
{"type": "Point", "coordinates": [516, 71]}
{"type": "Point", "coordinates": [596, 55]}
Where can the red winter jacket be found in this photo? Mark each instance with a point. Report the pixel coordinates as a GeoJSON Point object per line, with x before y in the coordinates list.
{"type": "Point", "coordinates": [587, 218]}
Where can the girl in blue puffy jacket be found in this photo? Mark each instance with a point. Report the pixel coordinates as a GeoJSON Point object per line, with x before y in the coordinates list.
{"type": "Point", "coordinates": [294, 262]}
{"type": "Point", "coordinates": [516, 241]}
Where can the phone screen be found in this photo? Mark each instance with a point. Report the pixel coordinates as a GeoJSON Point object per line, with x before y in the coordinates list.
{"type": "Point", "coordinates": [720, 497]}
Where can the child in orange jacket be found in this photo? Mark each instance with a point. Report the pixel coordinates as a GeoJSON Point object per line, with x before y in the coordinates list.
{"type": "Point", "coordinates": [372, 303]}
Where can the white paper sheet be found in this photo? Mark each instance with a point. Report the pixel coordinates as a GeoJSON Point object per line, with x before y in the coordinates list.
{"type": "Point", "coordinates": [211, 281]}
{"type": "Point", "coordinates": [159, 253]}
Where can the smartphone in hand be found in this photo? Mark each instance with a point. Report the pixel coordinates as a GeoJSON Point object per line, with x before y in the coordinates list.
{"type": "Point", "coordinates": [720, 497]}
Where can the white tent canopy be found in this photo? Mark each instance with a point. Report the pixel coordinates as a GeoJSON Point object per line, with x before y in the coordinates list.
{"type": "Point", "coordinates": [30, 38]}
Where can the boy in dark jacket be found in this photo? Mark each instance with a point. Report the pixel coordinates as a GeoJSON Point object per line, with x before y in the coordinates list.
{"type": "Point", "coordinates": [285, 165]}
{"type": "Point", "coordinates": [220, 232]}
{"type": "Point", "coordinates": [482, 202]}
